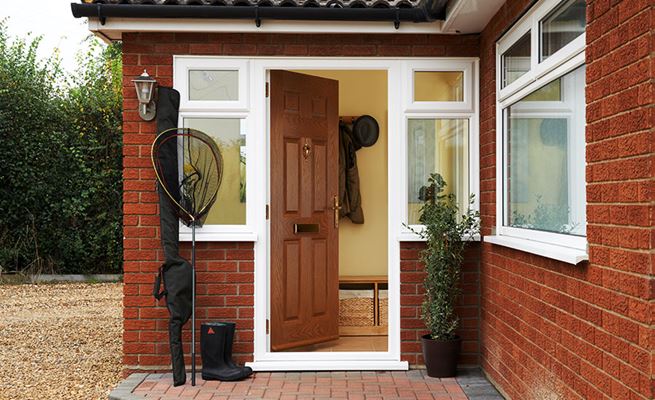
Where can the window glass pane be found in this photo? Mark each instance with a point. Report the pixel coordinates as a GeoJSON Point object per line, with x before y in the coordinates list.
{"type": "Point", "coordinates": [229, 134]}
{"type": "Point", "coordinates": [213, 85]}
{"type": "Point", "coordinates": [562, 26]}
{"type": "Point", "coordinates": [437, 145]}
{"type": "Point", "coordinates": [516, 60]}
{"type": "Point", "coordinates": [545, 159]}
{"type": "Point", "coordinates": [549, 92]}
{"type": "Point", "coordinates": [438, 86]}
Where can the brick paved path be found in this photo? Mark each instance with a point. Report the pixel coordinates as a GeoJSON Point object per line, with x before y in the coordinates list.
{"type": "Point", "coordinates": [412, 384]}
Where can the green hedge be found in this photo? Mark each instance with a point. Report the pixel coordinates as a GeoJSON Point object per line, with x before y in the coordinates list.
{"type": "Point", "coordinates": [60, 161]}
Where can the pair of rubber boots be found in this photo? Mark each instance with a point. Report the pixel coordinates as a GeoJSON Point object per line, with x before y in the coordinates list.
{"type": "Point", "coordinates": [216, 340]}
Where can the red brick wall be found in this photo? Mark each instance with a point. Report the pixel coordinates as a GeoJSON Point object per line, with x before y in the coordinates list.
{"type": "Point", "coordinates": [220, 265]}
{"type": "Point", "coordinates": [554, 330]}
{"type": "Point", "coordinates": [224, 292]}
{"type": "Point", "coordinates": [412, 274]}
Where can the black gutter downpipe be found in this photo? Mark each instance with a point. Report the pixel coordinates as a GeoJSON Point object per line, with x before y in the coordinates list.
{"type": "Point", "coordinates": [426, 11]}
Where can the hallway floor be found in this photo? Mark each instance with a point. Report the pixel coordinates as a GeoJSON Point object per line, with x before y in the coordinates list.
{"type": "Point", "coordinates": [348, 343]}
{"type": "Point", "coordinates": [413, 384]}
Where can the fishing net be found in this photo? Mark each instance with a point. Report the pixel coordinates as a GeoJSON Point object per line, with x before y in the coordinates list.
{"type": "Point", "coordinates": [189, 168]}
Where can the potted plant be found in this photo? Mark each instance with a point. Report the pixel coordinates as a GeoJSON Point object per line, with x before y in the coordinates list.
{"type": "Point", "coordinates": [446, 233]}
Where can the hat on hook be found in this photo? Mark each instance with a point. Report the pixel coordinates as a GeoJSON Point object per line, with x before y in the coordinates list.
{"type": "Point", "coordinates": [365, 131]}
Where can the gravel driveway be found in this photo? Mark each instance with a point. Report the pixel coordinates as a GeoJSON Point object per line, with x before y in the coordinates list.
{"type": "Point", "coordinates": [60, 341]}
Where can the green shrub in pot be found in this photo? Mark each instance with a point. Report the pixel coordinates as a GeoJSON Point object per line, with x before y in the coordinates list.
{"type": "Point", "coordinates": [446, 232]}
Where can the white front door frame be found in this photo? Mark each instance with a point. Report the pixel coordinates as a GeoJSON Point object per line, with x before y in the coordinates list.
{"type": "Point", "coordinates": [256, 117]}
{"type": "Point", "coordinates": [400, 105]}
{"type": "Point", "coordinates": [264, 359]}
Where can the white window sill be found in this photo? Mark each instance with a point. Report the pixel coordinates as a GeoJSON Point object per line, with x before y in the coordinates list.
{"type": "Point", "coordinates": [412, 237]}
{"type": "Point", "coordinates": [562, 253]}
{"type": "Point", "coordinates": [219, 237]}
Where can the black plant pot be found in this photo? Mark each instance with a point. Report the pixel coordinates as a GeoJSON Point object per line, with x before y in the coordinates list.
{"type": "Point", "coordinates": [441, 356]}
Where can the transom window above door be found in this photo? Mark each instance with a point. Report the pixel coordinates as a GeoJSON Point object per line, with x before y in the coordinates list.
{"type": "Point", "coordinates": [208, 85]}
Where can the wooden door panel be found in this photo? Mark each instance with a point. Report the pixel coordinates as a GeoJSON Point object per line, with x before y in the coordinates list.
{"type": "Point", "coordinates": [291, 102]}
{"type": "Point", "coordinates": [320, 176]}
{"type": "Point", "coordinates": [319, 106]}
{"type": "Point", "coordinates": [292, 280]}
{"type": "Point", "coordinates": [304, 180]}
{"type": "Point", "coordinates": [292, 175]}
{"type": "Point", "coordinates": [320, 277]}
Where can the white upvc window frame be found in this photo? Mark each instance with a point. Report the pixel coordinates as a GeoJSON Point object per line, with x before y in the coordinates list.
{"type": "Point", "coordinates": [237, 109]}
{"type": "Point", "coordinates": [466, 105]}
{"type": "Point", "coordinates": [568, 248]}
{"type": "Point", "coordinates": [531, 22]}
{"type": "Point", "coordinates": [181, 78]}
{"type": "Point", "coordinates": [467, 109]}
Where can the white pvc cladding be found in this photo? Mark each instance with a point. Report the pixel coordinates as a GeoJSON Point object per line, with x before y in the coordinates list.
{"type": "Point", "coordinates": [251, 107]}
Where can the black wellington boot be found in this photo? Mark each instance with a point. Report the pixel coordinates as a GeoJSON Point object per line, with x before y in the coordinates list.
{"type": "Point", "coordinates": [212, 350]}
{"type": "Point", "coordinates": [229, 340]}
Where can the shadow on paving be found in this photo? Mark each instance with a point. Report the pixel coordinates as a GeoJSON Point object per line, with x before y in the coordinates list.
{"type": "Point", "coordinates": [476, 386]}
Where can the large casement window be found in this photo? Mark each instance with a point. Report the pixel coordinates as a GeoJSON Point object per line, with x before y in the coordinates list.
{"type": "Point", "coordinates": [540, 166]}
{"type": "Point", "coordinates": [440, 108]}
{"type": "Point", "coordinates": [214, 99]}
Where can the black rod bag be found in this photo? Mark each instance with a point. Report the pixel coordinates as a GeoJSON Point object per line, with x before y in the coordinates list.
{"type": "Point", "coordinates": [176, 273]}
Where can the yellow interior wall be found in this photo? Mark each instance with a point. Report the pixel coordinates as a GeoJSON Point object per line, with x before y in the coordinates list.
{"type": "Point", "coordinates": [438, 86]}
{"type": "Point", "coordinates": [363, 248]}
{"type": "Point", "coordinates": [228, 209]}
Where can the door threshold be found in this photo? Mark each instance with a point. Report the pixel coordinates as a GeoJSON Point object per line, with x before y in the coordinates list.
{"type": "Point", "coordinates": [331, 365]}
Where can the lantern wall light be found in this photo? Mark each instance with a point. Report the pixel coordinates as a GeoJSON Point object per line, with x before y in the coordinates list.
{"type": "Point", "coordinates": [145, 92]}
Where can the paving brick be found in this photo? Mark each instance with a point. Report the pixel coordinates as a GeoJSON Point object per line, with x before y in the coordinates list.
{"type": "Point", "coordinates": [306, 385]}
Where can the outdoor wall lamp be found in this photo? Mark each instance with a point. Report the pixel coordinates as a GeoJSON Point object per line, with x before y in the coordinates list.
{"type": "Point", "coordinates": [145, 90]}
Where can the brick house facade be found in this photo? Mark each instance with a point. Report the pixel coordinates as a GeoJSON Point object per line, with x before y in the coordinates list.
{"type": "Point", "coordinates": [539, 328]}
{"type": "Point", "coordinates": [225, 278]}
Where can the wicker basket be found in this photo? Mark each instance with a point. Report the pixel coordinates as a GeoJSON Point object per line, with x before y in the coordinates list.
{"type": "Point", "coordinates": [384, 311]}
{"type": "Point", "coordinates": [355, 310]}
{"type": "Point", "coordinates": [383, 304]}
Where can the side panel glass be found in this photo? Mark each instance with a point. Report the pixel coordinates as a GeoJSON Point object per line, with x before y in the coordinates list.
{"type": "Point", "coordinates": [230, 206]}
{"type": "Point", "coordinates": [437, 145]}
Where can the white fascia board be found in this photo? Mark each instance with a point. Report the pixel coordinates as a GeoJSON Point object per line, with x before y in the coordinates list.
{"type": "Point", "coordinates": [469, 16]}
{"type": "Point", "coordinates": [115, 27]}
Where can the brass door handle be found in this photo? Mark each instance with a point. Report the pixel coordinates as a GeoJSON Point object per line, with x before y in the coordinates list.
{"type": "Point", "coordinates": [336, 207]}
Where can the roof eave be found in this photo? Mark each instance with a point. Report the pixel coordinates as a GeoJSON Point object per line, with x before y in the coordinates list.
{"type": "Point", "coordinates": [426, 11]}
